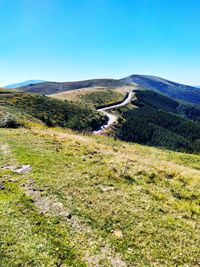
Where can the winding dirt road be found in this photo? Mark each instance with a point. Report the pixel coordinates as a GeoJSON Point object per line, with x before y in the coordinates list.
{"type": "Point", "coordinates": [112, 118]}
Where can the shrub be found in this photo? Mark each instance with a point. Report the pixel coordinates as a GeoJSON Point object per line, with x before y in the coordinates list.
{"type": "Point", "coordinates": [8, 121]}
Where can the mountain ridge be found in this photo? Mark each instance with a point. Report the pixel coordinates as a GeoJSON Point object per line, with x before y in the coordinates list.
{"type": "Point", "coordinates": [55, 87]}
{"type": "Point", "coordinates": [169, 88]}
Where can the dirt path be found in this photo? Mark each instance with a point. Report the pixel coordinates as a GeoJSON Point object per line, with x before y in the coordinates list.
{"type": "Point", "coordinates": [112, 118]}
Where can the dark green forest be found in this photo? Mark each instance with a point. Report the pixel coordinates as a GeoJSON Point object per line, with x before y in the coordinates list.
{"type": "Point", "coordinates": [160, 121]}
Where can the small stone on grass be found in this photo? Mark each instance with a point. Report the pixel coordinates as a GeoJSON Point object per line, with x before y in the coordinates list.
{"type": "Point", "coordinates": [118, 233]}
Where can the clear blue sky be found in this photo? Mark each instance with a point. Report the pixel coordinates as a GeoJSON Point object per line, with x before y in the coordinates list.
{"type": "Point", "coordinates": [78, 39]}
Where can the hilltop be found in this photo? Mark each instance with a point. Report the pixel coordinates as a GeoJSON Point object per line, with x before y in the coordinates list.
{"type": "Point", "coordinates": [171, 89]}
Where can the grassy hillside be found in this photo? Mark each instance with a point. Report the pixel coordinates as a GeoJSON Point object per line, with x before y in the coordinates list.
{"type": "Point", "coordinates": [18, 107]}
{"type": "Point", "coordinates": [105, 97]}
{"type": "Point", "coordinates": [160, 121]}
{"type": "Point", "coordinates": [93, 201]}
{"type": "Point", "coordinates": [94, 97]}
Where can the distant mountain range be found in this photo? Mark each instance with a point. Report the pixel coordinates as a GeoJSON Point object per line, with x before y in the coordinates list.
{"type": "Point", "coordinates": [168, 88]}
{"type": "Point", "coordinates": [25, 83]}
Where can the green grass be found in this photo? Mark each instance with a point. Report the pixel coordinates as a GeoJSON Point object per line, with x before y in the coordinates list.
{"type": "Point", "coordinates": [107, 185]}
{"type": "Point", "coordinates": [102, 97]}
{"type": "Point", "coordinates": [29, 238]}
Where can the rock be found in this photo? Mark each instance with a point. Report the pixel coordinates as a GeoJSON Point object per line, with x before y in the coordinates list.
{"type": "Point", "coordinates": [105, 188]}
{"type": "Point", "coordinates": [23, 169]}
{"type": "Point", "coordinates": [118, 233]}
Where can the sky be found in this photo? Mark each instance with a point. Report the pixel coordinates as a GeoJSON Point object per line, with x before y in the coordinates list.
{"type": "Point", "coordinates": [68, 40]}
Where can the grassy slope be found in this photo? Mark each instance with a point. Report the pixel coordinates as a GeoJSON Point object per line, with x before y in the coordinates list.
{"type": "Point", "coordinates": [102, 98]}
{"type": "Point", "coordinates": [108, 186]}
{"type": "Point", "coordinates": [53, 112]}
{"type": "Point", "coordinates": [94, 96]}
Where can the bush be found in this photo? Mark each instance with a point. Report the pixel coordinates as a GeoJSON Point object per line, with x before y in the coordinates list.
{"type": "Point", "coordinates": [8, 121]}
{"type": "Point", "coordinates": [50, 111]}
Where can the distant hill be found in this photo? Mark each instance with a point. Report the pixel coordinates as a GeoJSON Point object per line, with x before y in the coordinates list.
{"type": "Point", "coordinates": [29, 82]}
{"type": "Point", "coordinates": [56, 87]}
{"type": "Point", "coordinates": [171, 89]}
